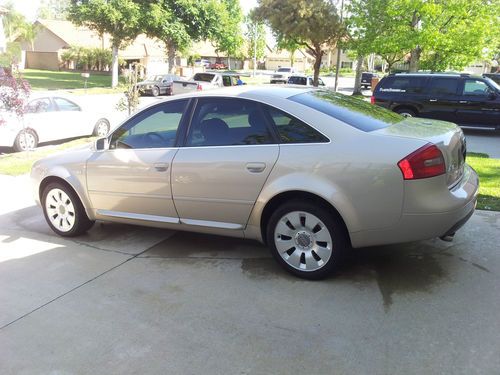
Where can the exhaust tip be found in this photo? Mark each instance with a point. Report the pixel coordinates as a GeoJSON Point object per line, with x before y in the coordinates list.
{"type": "Point", "coordinates": [447, 237]}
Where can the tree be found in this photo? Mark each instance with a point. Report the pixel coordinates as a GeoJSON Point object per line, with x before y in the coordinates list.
{"type": "Point", "coordinates": [178, 23]}
{"type": "Point", "coordinates": [53, 9]}
{"type": "Point", "coordinates": [289, 45]}
{"type": "Point", "coordinates": [227, 36]}
{"type": "Point", "coordinates": [313, 24]}
{"type": "Point", "coordinates": [255, 35]}
{"type": "Point", "coordinates": [27, 33]}
{"type": "Point", "coordinates": [119, 18]}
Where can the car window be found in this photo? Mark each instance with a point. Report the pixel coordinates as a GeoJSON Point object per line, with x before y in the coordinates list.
{"type": "Point", "coordinates": [203, 77]}
{"type": "Point", "coordinates": [320, 82]}
{"type": "Point", "coordinates": [66, 105]}
{"type": "Point", "coordinates": [410, 85]}
{"type": "Point", "coordinates": [155, 127]}
{"type": "Point", "coordinates": [292, 130]}
{"type": "Point", "coordinates": [39, 106]}
{"type": "Point", "coordinates": [475, 87]}
{"type": "Point", "coordinates": [352, 111]}
{"type": "Point", "coordinates": [228, 121]}
{"type": "Point", "coordinates": [294, 80]}
{"type": "Point", "coordinates": [443, 86]}
{"type": "Point", "coordinates": [226, 80]}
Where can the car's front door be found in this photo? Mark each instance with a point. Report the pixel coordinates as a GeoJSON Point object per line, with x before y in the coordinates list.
{"type": "Point", "coordinates": [228, 154]}
{"type": "Point", "coordinates": [41, 115]}
{"type": "Point", "coordinates": [71, 121]}
{"type": "Point", "coordinates": [479, 105]}
{"type": "Point", "coordinates": [132, 178]}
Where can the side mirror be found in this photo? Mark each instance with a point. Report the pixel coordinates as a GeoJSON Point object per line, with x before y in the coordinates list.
{"type": "Point", "coordinates": [101, 144]}
{"type": "Point", "coordinates": [492, 95]}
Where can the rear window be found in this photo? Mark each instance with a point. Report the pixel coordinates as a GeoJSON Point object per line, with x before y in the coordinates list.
{"type": "Point", "coordinates": [355, 112]}
{"type": "Point", "coordinates": [203, 77]}
{"type": "Point", "coordinates": [410, 85]}
{"type": "Point", "coordinates": [285, 70]}
{"type": "Point", "coordinates": [294, 80]}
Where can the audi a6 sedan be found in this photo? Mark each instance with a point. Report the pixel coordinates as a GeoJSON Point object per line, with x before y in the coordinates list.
{"type": "Point", "coordinates": [309, 172]}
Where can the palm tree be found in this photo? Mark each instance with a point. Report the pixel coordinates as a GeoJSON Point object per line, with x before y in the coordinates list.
{"type": "Point", "coordinates": [28, 34]}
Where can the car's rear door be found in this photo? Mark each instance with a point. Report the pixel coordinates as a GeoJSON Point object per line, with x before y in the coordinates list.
{"type": "Point", "coordinates": [478, 105]}
{"type": "Point", "coordinates": [41, 116]}
{"type": "Point", "coordinates": [441, 99]}
{"type": "Point", "coordinates": [132, 178]}
{"type": "Point", "coordinates": [228, 154]}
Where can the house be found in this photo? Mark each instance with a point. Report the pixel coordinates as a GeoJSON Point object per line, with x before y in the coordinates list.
{"type": "Point", "coordinates": [207, 51]}
{"type": "Point", "coordinates": [56, 36]}
{"type": "Point", "coordinates": [329, 59]}
{"type": "Point", "coordinates": [275, 59]}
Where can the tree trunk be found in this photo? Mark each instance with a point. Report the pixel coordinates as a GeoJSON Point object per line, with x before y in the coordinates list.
{"type": "Point", "coordinates": [114, 67]}
{"type": "Point", "coordinates": [318, 54]}
{"type": "Point", "coordinates": [357, 80]}
{"type": "Point", "coordinates": [414, 59]}
{"type": "Point", "coordinates": [171, 56]}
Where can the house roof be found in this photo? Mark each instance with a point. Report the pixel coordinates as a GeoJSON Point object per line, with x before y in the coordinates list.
{"type": "Point", "coordinates": [73, 35]}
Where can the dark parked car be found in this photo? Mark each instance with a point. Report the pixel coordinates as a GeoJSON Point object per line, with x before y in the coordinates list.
{"type": "Point", "coordinates": [467, 100]}
{"type": "Point", "coordinates": [157, 84]}
{"type": "Point", "coordinates": [366, 79]}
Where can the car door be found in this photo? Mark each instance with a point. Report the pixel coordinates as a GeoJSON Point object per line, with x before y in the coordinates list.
{"type": "Point", "coordinates": [71, 121]}
{"type": "Point", "coordinates": [42, 117]}
{"type": "Point", "coordinates": [228, 154]}
{"type": "Point", "coordinates": [441, 99]}
{"type": "Point", "coordinates": [131, 179]}
{"type": "Point", "coordinates": [478, 105]}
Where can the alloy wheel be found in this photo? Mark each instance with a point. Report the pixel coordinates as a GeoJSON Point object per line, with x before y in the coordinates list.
{"type": "Point", "coordinates": [303, 241]}
{"type": "Point", "coordinates": [60, 210]}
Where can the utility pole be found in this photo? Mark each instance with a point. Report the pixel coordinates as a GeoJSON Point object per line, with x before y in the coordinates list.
{"type": "Point", "coordinates": [337, 68]}
{"type": "Point", "coordinates": [255, 48]}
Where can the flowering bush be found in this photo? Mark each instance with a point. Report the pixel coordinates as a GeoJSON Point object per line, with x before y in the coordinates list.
{"type": "Point", "coordinates": [14, 94]}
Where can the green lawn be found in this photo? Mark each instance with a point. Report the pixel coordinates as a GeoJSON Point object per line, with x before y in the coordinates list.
{"type": "Point", "coordinates": [489, 179]}
{"type": "Point", "coordinates": [19, 163]}
{"type": "Point", "coordinates": [53, 80]}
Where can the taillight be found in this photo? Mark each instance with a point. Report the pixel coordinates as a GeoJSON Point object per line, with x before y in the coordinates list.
{"type": "Point", "coordinates": [372, 99]}
{"type": "Point", "coordinates": [426, 162]}
{"type": "Point", "coordinates": [199, 87]}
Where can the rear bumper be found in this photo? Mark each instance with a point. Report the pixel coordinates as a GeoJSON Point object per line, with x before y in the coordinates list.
{"type": "Point", "coordinates": [461, 203]}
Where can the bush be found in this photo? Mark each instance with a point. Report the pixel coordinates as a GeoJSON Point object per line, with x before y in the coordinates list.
{"type": "Point", "coordinates": [87, 58]}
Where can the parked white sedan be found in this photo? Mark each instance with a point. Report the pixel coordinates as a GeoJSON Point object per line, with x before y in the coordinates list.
{"type": "Point", "coordinates": [51, 118]}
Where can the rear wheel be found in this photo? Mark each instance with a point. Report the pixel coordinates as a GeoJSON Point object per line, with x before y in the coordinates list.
{"type": "Point", "coordinates": [306, 239]}
{"type": "Point", "coordinates": [155, 91]}
{"type": "Point", "coordinates": [26, 140]}
{"type": "Point", "coordinates": [63, 210]}
{"type": "Point", "coordinates": [405, 112]}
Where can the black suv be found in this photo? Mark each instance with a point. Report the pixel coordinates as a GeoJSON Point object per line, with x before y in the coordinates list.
{"type": "Point", "coordinates": [366, 79]}
{"type": "Point", "coordinates": [467, 100]}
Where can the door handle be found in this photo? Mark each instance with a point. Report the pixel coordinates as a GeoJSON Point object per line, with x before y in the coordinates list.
{"type": "Point", "coordinates": [161, 167]}
{"type": "Point", "coordinates": [433, 100]}
{"type": "Point", "coordinates": [463, 101]}
{"type": "Point", "coordinates": [255, 167]}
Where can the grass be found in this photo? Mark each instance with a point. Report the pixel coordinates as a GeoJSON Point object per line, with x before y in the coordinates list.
{"type": "Point", "coordinates": [19, 163]}
{"type": "Point", "coordinates": [489, 179]}
{"type": "Point", "coordinates": [55, 80]}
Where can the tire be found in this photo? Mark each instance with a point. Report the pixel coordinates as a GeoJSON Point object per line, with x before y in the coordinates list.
{"type": "Point", "coordinates": [101, 128]}
{"type": "Point", "coordinates": [306, 240]}
{"type": "Point", "coordinates": [155, 91]}
{"type": "Point", "coordinates": [63, 210]}
{"type": "Point", "coordinates": [406, 112]}
{"type": "Point", "coordinates": [26, 140]}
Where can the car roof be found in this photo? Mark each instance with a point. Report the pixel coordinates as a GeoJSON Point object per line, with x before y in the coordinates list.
{"type": "Point", "coordinates": [439, 74]}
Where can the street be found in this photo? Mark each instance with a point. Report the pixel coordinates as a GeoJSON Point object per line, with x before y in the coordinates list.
{"type": "Point", "coordinates": [125, 299]}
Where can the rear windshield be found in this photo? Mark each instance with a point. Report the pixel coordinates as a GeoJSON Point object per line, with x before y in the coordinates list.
{"type": "Point", "coordinates": [204, 77]}
{"type": "Point", "coordinates": [285, 70]}
{"type": "Point", "coordinates": [353, 111]}
{"type": "Point", "coordinates": [409, 85]}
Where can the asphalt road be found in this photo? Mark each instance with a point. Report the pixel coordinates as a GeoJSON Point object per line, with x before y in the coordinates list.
{"type": "Point", "coordinates": [131, 300]}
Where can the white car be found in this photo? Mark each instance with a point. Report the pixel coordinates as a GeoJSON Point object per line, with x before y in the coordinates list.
{"type": "Point", "coordinates": [282, 74]}
{"type": "Point", "coordinates": [50, 118]}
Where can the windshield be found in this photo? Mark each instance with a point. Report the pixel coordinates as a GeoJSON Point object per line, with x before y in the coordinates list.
{"type": "Point", "coordinates": [353, 111]}
{"type": "Point", "coordinates": [286, 70]}
{"type": "Point", "coordinates": [493, 83]}
{"type": "Point", "coordinates": [203, 77]}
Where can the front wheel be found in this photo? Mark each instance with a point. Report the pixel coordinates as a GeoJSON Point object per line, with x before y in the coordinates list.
{"type": "Point", "coordinates": [155, 91]}
{"type": "Point", "coordinates": [26, 140]}
{"type": "Point", "coordinates": [306, 239]}
{"type": "Point", "coordinates": [63, 210]}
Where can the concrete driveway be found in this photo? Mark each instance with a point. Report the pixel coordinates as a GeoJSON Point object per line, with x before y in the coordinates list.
{"type": "Point", "coordinates": [131, 300]}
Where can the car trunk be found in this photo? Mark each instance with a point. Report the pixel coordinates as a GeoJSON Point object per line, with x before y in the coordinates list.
{"type": "Point", "coordinates": [448, 137]}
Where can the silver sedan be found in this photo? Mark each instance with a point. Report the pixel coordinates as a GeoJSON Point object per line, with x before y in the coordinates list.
{"type": "Point", "coordinates": [309, 172]}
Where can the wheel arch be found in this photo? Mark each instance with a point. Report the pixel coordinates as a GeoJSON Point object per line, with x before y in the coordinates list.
{"type": "Point", "coordinates": [290, 195]}
{"type": "Point", "coordinates": [411, 107]}
{"type": "Point", "coordinates": [70, 184]}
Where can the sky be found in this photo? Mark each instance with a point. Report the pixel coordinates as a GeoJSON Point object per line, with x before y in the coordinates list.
{"type": "Point", "coordinates": [30, 7]}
